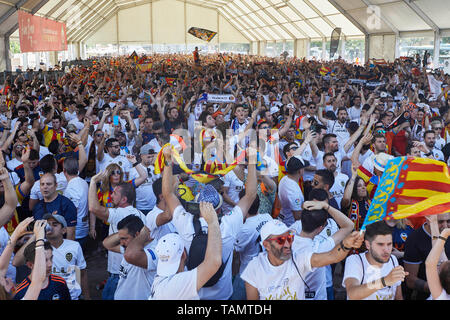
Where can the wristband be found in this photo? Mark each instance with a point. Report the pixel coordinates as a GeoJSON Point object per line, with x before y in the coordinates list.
{"type": "Point", "coordinates": [39, 246]}
{"type": "Point", "coordinates": [135, 164]}
{"type": "Point", "coordinates": [440, 237]}
{"type": "Point", "coordinates": [40, 240]}
{"type": "Point", "coordinates": [383, 283]}
{"type": "Point", "coordinates": [344, 247]}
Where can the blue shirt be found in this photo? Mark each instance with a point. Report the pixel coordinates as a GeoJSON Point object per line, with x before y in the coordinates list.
{"type": "Point", "coordinates": [62, 205]}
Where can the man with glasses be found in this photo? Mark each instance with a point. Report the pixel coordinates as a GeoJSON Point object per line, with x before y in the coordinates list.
{"type": "Point", "coordinates": [279, 272]}
{"type": "Point", "coordinates": [112, 155]}
{"type": "Point", "coordinates": [436, 126]}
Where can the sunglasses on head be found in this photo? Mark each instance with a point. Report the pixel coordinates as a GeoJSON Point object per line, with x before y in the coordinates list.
{"type": "Point", "coordinates": [118, 172]}
{"type": "Point", "coordinates": [282, 239]}
{"type": "Point", "coordinates": [293, 148]}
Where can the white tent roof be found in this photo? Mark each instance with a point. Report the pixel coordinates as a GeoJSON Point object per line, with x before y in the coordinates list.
{"type": "Point", "coordinates": [256, 19]}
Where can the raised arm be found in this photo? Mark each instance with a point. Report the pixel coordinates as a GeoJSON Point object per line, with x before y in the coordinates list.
{"type": "Point", "coordinates": [7, 211]}
{"type": "Point", "coordinates": [213, 254]}
{"type": "Point", "coordinates": [171, 199]}
{"type": "Point", "coordinates": [94, 206]}
{"type": "Point", "coordinates": [39, 272]}
{"type": "Point", "coordinates": [135, 253]}
{"type": "Point", "coordinates": [143, 174]}
{"type": "Point", "coordinates": [431, 264]}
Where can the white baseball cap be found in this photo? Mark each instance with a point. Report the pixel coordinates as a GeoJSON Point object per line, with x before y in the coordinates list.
{"type": "Point", "coordinates": [169, 249]}
{"type": "Point", "coordinates": [274, 109]}
{"type": "Point", "coordinates": [273, 227]}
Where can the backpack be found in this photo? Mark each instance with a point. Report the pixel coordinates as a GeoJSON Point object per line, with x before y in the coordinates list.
{"type": "Point", "coordinates": [197, 252]}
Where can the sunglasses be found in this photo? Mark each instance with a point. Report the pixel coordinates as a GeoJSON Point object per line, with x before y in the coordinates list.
{"type": "Point", "coordinates": [99, 134]}
{"type": "Point", "coordinates": [118, 172]}
{"type": "Point", "coordinates": [282, 239]}
{"type": "Point", "coordinates": [293, 148]}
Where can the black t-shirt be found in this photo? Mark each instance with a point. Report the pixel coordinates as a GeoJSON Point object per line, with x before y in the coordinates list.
{"type": "Point", "coordinates": [55, 290]}
{"type": "Point", "coordinates": [417, 247]}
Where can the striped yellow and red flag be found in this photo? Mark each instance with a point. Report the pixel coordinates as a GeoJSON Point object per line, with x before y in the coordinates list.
{"type": "Point", "coordinates": [211, 171]}
{"type": "Point", "coordinates": [411, 187]}
{"type": "Point", "coordinates": [324, 71]}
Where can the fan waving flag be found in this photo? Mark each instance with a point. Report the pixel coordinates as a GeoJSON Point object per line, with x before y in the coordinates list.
{"type": "Point", "coordinates": [410, 187]}
{"type": "Point", "coordinates": [324, 71]}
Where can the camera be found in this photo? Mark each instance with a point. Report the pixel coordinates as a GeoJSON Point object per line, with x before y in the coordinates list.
{"type": "Point", "coordinates": [192, 207]}
{"type": "Point", "coordinates": [30, 227]}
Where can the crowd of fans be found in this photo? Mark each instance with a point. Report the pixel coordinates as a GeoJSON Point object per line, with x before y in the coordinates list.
{"type": "Point", "coordinates": [219, 177]}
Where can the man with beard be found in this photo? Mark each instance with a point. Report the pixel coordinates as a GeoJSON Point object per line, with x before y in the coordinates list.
{"type": "Point", "coordinates": [340, 179]}
{"type": "Point", "coordinates": [379, 146]}
{"type": "Point", "coordinates": [330, 144]}
{"type": "Point", "coordinates": [337, 127]}
{"type": "Point", "coordinates": [112, 155]}
{"type": "Point", "coordinates": [429, 137]}
{"type": "Point", "coordinates": [374, 274]}
{"type": "Point", "coordinates": [278, 273]}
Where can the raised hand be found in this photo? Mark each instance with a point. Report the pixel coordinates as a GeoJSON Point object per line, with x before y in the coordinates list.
{"type": "Point", "coordinates": [208, 213]}
{"type": "Point", "coordinates": [397, 274]}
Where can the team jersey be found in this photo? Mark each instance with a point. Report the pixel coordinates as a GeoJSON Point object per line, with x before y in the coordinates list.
{"type": "Point", "coordinates": [55, 290]}
{"type": "Point", "coordinates": [50, 134]}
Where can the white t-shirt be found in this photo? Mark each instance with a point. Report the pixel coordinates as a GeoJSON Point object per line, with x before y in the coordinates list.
{"type": "Point", "coordinates": [354, 113]}
{"type": "Point", "coordinates": [338, 188]}
{"type": "Point", "coordinates": [354, 269]}
{"type": "Point", "coordinates": [234, 185]}
{"type": "Point", "coordinates": [120, 160]}
{"type": "Point", "coordinates": [231, 223]}
{"type": "Point", "coordinates": [436, 153]}
{"type": "Point", "coordinates": [180, 286]}
{"type": "Point", "coordinates": [246, 241]}
{"type": "Point", "coordinates": [135, 283]}
{"type": "Point", "coordinates": [70, 116]}
{"type": "Point", "coordinates": [340, 154]}
{"type": "Point", "coordinates": [330, 229]}
{"type": "Point", "coordinates": [308, 175]}
{"type": "Point", "coordinates": [444, 296]}
{"type": "Point", "coordinates": [65, 258]}
{"type": "Point", "coordinates": [61, 181]}
{"type": "Point", "coordinates": [12, 164]}
{"type": "Point", "coordinates": [114, 217]}
{"type": "Point", "coordinates": [340, 130]}
{"type": "Point", "coordinates": [291, 198]}
{"type": "Point", "coordinates": [158, 232]}
{"type": "Point", "coordinates": [368, 163]}
{"type": "Point", "coordinates": [145, 198]}
{"type": "Point", "coordinates": [77, 191]}
{"type": "Point", "coordinates": [281, 282]}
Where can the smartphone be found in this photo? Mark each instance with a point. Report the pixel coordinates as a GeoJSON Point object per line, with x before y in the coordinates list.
{"type": "Point", "coordinates": [116, 120]}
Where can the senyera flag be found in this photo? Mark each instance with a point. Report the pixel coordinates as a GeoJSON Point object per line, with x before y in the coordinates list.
{"type": "Point", "coordinates": [39, 34]}
{"type": "Point", "coordinates": [410, 187]}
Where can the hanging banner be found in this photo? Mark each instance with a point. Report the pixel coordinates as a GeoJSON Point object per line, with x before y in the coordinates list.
{"type": "Point", "coordinates": [39, 34]}
{"type": "Point", "coordinates": [203, 34]}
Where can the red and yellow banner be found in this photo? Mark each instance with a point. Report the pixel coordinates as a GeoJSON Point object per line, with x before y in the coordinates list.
{"type": "Point", "coordinates": [39, 34]}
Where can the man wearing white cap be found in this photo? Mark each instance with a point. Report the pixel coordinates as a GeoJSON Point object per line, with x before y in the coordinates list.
{"type": "Point", "coordinates": [278, 273]}
{"type": "Point", "coordinates": [172, 282]}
